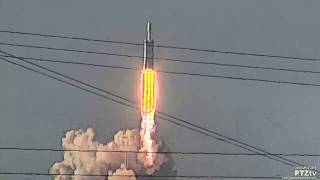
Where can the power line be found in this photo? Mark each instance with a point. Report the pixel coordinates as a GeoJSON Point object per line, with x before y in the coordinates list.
{"type": "Point", "coordinates": [181, 73]}
{"type": "Point", "coordinates": [75, 63]}
{"type": "Point", "coordinates": [69, 50]}
{"type": "Point", "coordinates": [138, 175]}
{"type": "Point", "coordinates": [241, 53]}
{"type": "Point", "coordinates": [160, 152]}
{"type": "Point", "coordinates": [174, 72]}
{"type": "Point", "coordinates": [166, 46]}
{"type": "Point", "coordinates": [212, 63]}
{"type": "Point", "coordinates": [71, 37]}
{"type": "Point", "coordinates": [158, 58]}
{"type": "Point", "coordinates": [161, 114]}
{"type": "Point", "coordinates": [243, 78]}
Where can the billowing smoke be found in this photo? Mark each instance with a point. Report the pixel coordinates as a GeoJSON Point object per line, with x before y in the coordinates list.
{"type": "Point", "coordinates": [105, 163]}
{"type": "Point", "coordinates": [122, 174]}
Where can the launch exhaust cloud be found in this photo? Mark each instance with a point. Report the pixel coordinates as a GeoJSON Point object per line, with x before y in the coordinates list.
{"type": "Point", "coordinates": [104, 163]}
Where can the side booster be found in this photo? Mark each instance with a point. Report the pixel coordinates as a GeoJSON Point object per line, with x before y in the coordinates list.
{"type": "Point", "coordinates": [148, 79]}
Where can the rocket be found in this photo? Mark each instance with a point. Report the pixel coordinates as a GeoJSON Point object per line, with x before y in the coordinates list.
{"type": "Point", "coordinates": [148, 92]}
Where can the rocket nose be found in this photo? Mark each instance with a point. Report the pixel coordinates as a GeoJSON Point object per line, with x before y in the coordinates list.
{"type": "Point", "coordinates": [148, 31]}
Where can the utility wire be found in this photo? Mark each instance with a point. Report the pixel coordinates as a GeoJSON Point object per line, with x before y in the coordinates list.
{"type": "Point", "coordinates": [158, 58]}
{"type": "Point", "coordinates": [71, 37]}
{"type": "Point", "coordinates": [147, 176]}
{"type": "Point", "coordinates": [212, 63]}
{"type": "Point", "coordinates": [182, 73]}
{"type": "Point", "coordinates": [166, 46]}
{"type": "Point", "coordinates": [68, 50]}
{"type": "Point", "coordinates": [75, 63]}
{"type": "Point", "coordinates": [161, 114]}
{"type": "Point", "coordinates": [243, 78]}
{"type": "Point", "coordinates": [159, 152]}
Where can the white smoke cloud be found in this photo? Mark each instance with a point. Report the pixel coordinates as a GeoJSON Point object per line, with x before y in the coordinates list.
{"type": "Point", "coordinates": [121, 173]}
{"type": "Point", "coordinates": [104, 163]}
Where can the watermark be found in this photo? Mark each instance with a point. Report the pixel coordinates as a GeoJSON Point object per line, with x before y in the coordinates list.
{"type": "Point", "coordinates": [303, 172]}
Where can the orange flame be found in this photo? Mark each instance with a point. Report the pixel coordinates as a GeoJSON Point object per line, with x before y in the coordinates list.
{"type": "Point", "coordinates": [148, 107]}
{"type": "Point", "coordinates": [148, 93]}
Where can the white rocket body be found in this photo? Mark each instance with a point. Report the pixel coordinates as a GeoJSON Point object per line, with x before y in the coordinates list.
{"type": "Point", "coordinates": [148, 49]}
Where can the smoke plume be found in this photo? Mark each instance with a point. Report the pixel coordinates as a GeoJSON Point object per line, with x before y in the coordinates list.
{"type": "Point", "coordinates": [121, 174]}
{"type": "Point", "coordinates": [105, 163]}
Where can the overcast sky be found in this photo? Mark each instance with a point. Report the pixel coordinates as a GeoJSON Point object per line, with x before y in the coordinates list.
{"type": "Point", "coordinates": [36, 111]}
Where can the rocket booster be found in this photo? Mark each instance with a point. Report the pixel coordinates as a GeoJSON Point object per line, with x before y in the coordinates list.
{"type": "Point", "coordinates": [148, 79]}
{"type": "Point", "coordinates": [148, 90]}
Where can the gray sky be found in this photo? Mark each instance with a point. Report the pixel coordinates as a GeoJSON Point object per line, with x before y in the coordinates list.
{"type": "Point", "coordinates": [36, 111]}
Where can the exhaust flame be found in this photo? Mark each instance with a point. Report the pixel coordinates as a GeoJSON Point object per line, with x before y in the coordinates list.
{"type": "Point", "coordinates": [148, 108]}
{"type": "Point", "coordinates": [148, 93]}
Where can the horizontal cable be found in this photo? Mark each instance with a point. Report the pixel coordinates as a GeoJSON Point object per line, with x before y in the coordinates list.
{"type": "Point", "coordinates": [68, 50]}
{"type": "Point", "coordinates": [212, 63]}
{"type": "Point", "coordinates": [158, 152]}
{"type": "Point", "coordinates": [243, 78]}
{"type": "Point", "coordinates": [75, 63]}
{"type": "Point", "coordinates": [73, 38]}
{"type": "Point", "coordinates": [158, 58]}
{"type": "Point", "coordinates": [174, 72]}
{"type": "Point", "coordinates": [138, 175]}
{"type": "Point", "coordinates": [167, 46]}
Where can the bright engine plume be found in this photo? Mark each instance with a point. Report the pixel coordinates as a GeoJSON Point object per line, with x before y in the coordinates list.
{"type": "Point", "coordinates": [148, 93]}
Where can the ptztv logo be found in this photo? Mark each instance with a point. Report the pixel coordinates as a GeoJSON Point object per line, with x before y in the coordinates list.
{"type": "Point", "coordinates": [305, 172]}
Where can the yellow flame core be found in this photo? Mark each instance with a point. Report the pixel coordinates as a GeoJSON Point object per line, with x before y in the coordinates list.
{"type": "Point", "coordinates": [148, 108]}
{"type": "Point", "coordinates": [148, 93]}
